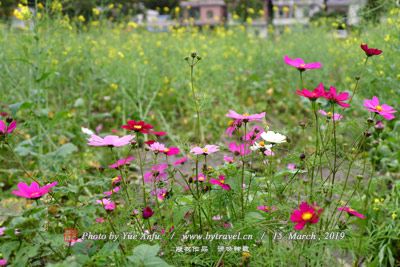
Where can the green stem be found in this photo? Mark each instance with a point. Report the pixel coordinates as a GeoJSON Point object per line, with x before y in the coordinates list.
{"type": "Point", "coordinates": [196, 104]}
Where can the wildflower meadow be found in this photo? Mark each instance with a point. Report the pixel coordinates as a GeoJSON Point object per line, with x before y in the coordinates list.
{"type": "Point", "coordinates": [198, 147]}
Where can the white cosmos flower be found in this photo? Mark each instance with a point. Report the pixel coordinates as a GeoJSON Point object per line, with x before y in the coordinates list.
{"type": "Point", "coordinates": [87, 131]}
{"type": "Point", "coordinates": [272, 137]}
{"type": "Point", "coordinates": [260, 145]}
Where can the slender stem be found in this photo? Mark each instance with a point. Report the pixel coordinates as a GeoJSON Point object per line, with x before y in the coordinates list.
{"type": "Point", "coordinates": [196, 104]}
{"type": "Point", "coordinates": [243, 164]}
{"type": "Point", "coordinates": [314, 106]}
{"type": "Point", "coordinates": [142, 173]}
{"type": "Point", "coordinates": [357, 81]}
{"type": "Point", "coordinates": [122, 176]}
{"type": "Point", "coordinates": [335, 151]}
{"type": "Point", "coordinates": [301, 79]}
{"type": "Point", "coordinates": [115, 232]}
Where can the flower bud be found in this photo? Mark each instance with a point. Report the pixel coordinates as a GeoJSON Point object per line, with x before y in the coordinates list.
{"type": "Point", "coordinates": [370, 120]}
{"type": "Point", "coordinates": [302, 156]}
{"type": "Point", "coordinates": [193, 54]}
{"type": "Point", "coordinates": [9, 120]}
{"type": "Point", "coordinates": [367, 134]}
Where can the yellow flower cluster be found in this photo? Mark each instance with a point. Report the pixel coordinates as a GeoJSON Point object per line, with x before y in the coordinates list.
{"type": "Point", "coordinates": [22, 12]}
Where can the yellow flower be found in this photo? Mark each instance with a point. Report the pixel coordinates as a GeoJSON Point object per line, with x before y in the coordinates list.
{"type": "Point", "coordinates": [387, 38]}
{"type": "Point", "coordinates": [114, 86]}
{"type": "Point", "coordinates": [132, 24]}
{"type": "Point", "coordinates": [394, 215]}
{"type": "Point", "coordinates": [40, 6]}
{"type": "Point", "coordinates": [235, 16]}
{"type": "Point", "coordinates": [250, 10]}
{"type": "Point", "coordinates": [22, 12]}
{"type": "Point", "coordinates": [249, 20]}
{"type": "Point", "coordinates": [111, 6]}
{"type": "Point", "coordinates": [81, 18]}
{"type": "Point", "coordinates": [177, 9]}
{"type": "Point", "coordinates": [166, 9]}
{"type": "Point", "coordinates": [96, 11]}
{"type": "Point", "coordinates": [285, 9]}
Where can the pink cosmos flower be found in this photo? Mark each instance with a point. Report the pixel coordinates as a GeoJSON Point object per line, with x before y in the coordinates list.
{"type": "Point", "coordinates": [221, 182]}
{"type": "Point", "coordinates": [266, 208]}
{"type": "Point", "coordinates": [336, 116]}
{"type": "Point", "coordinates": [233, 126]}
{"type": "Point", "coordinates": [110, 140]}
{"type": "Point", "coordinates": [157, 173]}
{"type": "Point", "coordinates": [7, 129]}
{"type": "Point", "coordinates": [157, 147]}
{"type": "Point", "coordinates": [338, 98]}
{"type": "Point", "coordinates": [228, 159]}
{"type": "Point", "coordinates": [239, 150]}
{"type": "Point", "coordinates": [254, 134]}
{"type": "Point", "coordinates": [114, 190]}
{"type": "Point", "coordinates": [180, 161]}
{"type": "Point", "coordinates": [121, 162]}
{"type": "Point", "coordinates": [269, 153]}
{"type": "Point", "coordinates": [352, 212]}
{"type": "Point", "coordinates": [201, 177]}
{"type": "Point", "coordinates": [33, 191]}
{"type": "Point", "coordinates": [73, 242]}
{"type": "Point", "coordinates": [116, 180]}
{"type": "Point", "coordinates": [107, 204]}
{"type": "Point", "coordinates": [245, 117]}
{"type": "Point", "coordinates": [384, 110]}
{"type": "Point", "coordinates": [2, 229]}
{"type": "Point", "coordinates": [306, 214]}
{"type": "Point", "coordinates": [291, 166]}
{"type": "Point", "coordinates": [314, 94]}
{"type": "Point", "coordinates": [370, 51]}
{"type": "Point", "coordinates": [100, 220]}
{"type": "Point", "coordinates": [161, 193]}
{"type": "Point", "coordinates": [3, 262]}
{"type": "Point", "coordinates": [147, 212]}
{"type": "Point", "coordinates": [217, 218]}
{"type": "Point", "coordinates": [299, 64]}
{"type": "Point", "coordinates": [207, 150]}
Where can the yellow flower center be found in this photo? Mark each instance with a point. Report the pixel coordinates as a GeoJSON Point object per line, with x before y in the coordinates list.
{"type": "Point", "coordinates": [138, 127]}
{"type": "Point", "coordinates": [351, 210]}
{"type": "Point", "coordinates": [329, 114]}
{"type": "Point", "coordinates": [230, 123]}
{"type": "Point", "coordinates": [205, 150]}
{"type": "Point", "coordinates": [262, 143]}
{"type": "Point", "coordinates": [302, 65]}
{"type": "Point", "coordinates": [246, 114]}
{"type": "Point", "coordinates": [166, 150]}
{"type": "Point", "coordinates": [222, 181]}
{"type": "Point", "coordinates": [378, 108]}
{"type": "Point", "coordinates": [306, 216]}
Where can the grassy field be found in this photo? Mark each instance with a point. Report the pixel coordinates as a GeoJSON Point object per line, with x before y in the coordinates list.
{"type": "Point", "coordinates": [63, 75]}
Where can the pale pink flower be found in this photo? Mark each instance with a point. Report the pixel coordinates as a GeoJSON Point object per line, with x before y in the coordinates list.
{"type": "Point", "coordinates": [245, 117]}
{"type": "Point", "coordinates": [239, 149]}
{"type": "Point", "coordinates": [336, 116]}
{"type": "Point", "coordinates": [107, 204]}
{"type": "Point", "coordinates": [299, 64]}
{"type": "Point", "coordinates": [121, 162]}
{"type": "Point", "coordinates": [207, 150]}
{"type": "Point", "coordinates": [114, 190]}
{"type": "Point", "coordinates": [110, 140]}
{"type": "Point", "coordinates": [384, 110]}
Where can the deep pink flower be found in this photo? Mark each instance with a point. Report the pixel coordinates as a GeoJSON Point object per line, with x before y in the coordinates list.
{"type": "Point", "coordinates": [33, 191]}
{"type": "Point", "coordinates": [121, 162]}
{"type": "Point", "coordinates": [180, 161]}
{"type": "Point", "coordinates": [384, 110]}
{"type": "Point", "coordinates": [3, 262]}
{"type": "Point", "coordinates": [110, 140]}
{"type": "Point", "coordinates": [201, 177]}
{"type": "Point", "coordinates": [6, 128]}
{"type": "Point", "coordinates": [266, 208]}
{"type": "Point", "coordinates": [2, 229]}
{"type": "Point", "coordinates": [137, 126]}
{"type": "Point", "coordinates": [352, 212]}
{"type": "Point", "coordinates": [313, 95]}
{"type": "Point", "coordinates": [73, 242]}
{"type": "Point", "coordinates": [228, 159]}
{"type": "Point", "coordinates": [306, 214]}
{"type": "Point", "coordinates": [147, 212]}
{"type": "Point", "coordinates": [299, 64]}
{"type": "Point", "coordinates": [254, 134]}
{"type": "Point", "coordinates": [116, 180]}
{"type": "Point", "coordinates": [100, 220]}
{"type": "Point", "coordinates": [221, 182]}
{"type": "Point", "coordinates": [379, 125]}
{"type": "Point", "coordinates": [239, 150]}
{"type": "Point", "coordinates": [161, 193]}
{"type": "Point", "coordinates": [370, 51]}
{"type": "Point", "coordinates": [338, 98]}
{"type": "Point", "coordinates": [207, 150]}
{"type": "Point", "coordinates": [233, 126]}
{"type": "Point", "coordinates": [336, 116]}
{"type": "Point", "coordinates": [107, 204]}
{"type": "Point", "coordinates": [245, 117]}
{"type": "Point", "coordinates": [170, 151]}
{"type": "Point", "coordinates": [114, 190]}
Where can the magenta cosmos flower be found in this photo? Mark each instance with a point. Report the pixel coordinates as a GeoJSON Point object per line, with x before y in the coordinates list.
{"type": "Point", "coordinates": [157, 173]}
{"type": "Point", "coordinates": [121, 162]}
{"type": "Point", "coordinates": [384, 110]}
{"type": "Point", "coordinates": [147, 212]}
{"type": "Point", "coordinates": [107, 204]}
{"type": "Point", "coordinates": [157, 147]}
{"type": "Point", "coordinates": [239, 150]}
{"type": "Point", "coordinates": [207, 150]}
{"type": "Point", "coordinates": [299, 64]}
{"type": "Point", "coordinates": [352, 212]}
{"type": "Point", "coordinates": [254, 134]}
{"type": "Point", "coordinates": [336, 116]}
{"type": "Point", "coordinates": [114, 190]}
{"type": "Point", "coordinates": [221, 182]}
{"type": "Point", "coordinates": [3, 262]}
{"type": "Point", "coordinates": [6, 128]}
{"type": "Point", "coordinates": [110, 140]}
{"type": "Point", "coordinates": [314, 94]}
{"type": "Point", "coordinates": [337, 98]}
{"type": "Point", "coordinates": [180, 161]}
{"type": "Point", "coordinates": [33, 191]}
{"type": "Point", "coordinates": [266, 208]}
{"type": "Point", "coordinates": [233, 126]}
{"type": "Point", "coordinates": [370, 51]}
{"type": "Point", "coordinates": [306, 214]}
{"type": "Point", "coordinates": [245, 117]}
{"type": "Point", "coordinates": [229, 159]}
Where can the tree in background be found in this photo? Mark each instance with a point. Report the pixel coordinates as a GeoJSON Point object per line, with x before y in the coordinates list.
{"type": "Point", "coordinates": [375, 9]}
